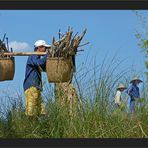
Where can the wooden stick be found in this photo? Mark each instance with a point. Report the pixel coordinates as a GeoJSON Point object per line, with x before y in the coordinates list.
{"type": "Point", "coordinates": [22, 53]}
{"type": "Point", "coordinates": [83, 44]}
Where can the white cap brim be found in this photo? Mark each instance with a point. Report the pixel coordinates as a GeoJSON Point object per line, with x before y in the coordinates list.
{"type": "Point", "coordinates": [46, 45]}
{"type": "Point", "coordinates": [41, 43]}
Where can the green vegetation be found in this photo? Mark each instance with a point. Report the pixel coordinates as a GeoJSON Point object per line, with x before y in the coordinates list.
{"type": "Point", "coordinates": [97, 117]}
{"type": "Point", "coordinates": [90, 122]}
{"type": "Point", "coordinates": [142, 37]}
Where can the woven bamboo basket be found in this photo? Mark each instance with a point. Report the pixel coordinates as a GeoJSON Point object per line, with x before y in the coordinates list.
{"type": "Point", "coordinates": [59, 69]}
{"type": "Point", "coordinates": [7, 68]}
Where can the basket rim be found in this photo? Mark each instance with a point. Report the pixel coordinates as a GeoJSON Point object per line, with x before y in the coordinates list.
{"type": "Point", "coordinates": [7, 58]}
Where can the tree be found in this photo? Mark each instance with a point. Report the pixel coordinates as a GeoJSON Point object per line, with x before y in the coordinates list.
{"type": "Point", "coordinates": [143, 37]}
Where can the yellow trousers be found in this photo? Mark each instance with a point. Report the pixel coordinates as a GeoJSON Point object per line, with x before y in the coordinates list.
{"type": "Point", "coordinates": [34, 104]}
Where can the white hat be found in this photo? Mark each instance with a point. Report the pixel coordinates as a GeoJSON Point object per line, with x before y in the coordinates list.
{"type": "Point", "coordinates": [40, 43]}
{"type": "Point", "coordinates": [135, 78]}
{"type": "Point", "coordinates": [121, 86]}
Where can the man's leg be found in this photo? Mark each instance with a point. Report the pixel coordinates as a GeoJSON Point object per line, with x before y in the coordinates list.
{"type": "Point", "coordinates": [33, 101]}
{"type": "Point", "coordinates": [132, 106]}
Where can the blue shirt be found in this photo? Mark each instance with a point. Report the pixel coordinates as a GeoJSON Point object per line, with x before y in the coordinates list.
{"type": "Point", "coordinates": [133, 91]}
{"type": "Point", "coordinates": [33, 71]}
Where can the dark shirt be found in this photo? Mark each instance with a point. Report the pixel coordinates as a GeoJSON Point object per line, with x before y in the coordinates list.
{"type": "Point", "coordinates": [133, 91]}
{"type": "Point", "coordinates": [33, 71]}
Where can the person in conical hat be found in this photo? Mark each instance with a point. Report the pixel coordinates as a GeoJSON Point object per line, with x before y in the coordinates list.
{"type": "Point", "coordinates": [120, 89]}
{"type": "Point", "coordinates": [133, 92]}
{"type": "Point", "coordinates": [136, 79]}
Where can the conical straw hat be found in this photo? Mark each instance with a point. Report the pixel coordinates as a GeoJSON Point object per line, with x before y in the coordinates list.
{"type": "Point", "coordinates": [121, 86]}
{"type": "Point", "coordinates": [135, 78]}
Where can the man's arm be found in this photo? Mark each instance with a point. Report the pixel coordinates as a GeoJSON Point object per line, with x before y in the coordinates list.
{"type": "Point", "coordinates": [129, 91]}
{"type": "Point", "coordinates": [37, 61]}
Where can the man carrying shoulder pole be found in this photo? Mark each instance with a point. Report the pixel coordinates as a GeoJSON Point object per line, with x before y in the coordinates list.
{"type": "Point", "coordinates": [33, 80]}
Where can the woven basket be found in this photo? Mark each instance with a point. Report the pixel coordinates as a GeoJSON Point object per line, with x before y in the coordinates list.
{"type": "Point", "coordinates": [59, 69]}
{"type": "Point", "coordinates": [7, 68]}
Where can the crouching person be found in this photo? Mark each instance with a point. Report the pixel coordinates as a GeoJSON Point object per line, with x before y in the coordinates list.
{"type": "Point", "coordinates": [33, 81]}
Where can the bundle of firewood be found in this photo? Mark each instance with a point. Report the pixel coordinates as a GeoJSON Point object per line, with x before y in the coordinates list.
{"type": "Point", "coordinates": [67, 45]}
{"type": "Point", "coordinates": [4, 47]}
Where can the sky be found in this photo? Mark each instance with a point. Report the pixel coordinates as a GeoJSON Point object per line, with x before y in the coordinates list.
{"type": "Point", "coordinates": [109, 32]}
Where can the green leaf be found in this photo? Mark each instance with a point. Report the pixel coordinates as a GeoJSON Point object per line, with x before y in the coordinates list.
{"type": "Point", "coordinates": [146, 64]}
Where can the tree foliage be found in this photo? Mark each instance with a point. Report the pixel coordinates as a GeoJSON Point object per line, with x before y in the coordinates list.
{"type": "Point", "coordinates": [142, 37]}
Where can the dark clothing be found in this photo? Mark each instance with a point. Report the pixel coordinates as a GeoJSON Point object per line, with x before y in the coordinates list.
{"type": "Point", "coordinates": [74, 63]}
{"type": "Point", "coordinates": [33, 71]}
{"type": "Point", "coordinates": [133, 92]}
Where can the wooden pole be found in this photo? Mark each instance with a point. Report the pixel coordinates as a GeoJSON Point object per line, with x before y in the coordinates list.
{"type": "Point", "coordinates": [22, 53]}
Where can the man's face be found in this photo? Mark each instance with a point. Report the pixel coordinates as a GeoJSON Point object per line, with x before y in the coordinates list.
{"type": "Point", "coordinates": [41, 49]}
{"type": "Point", "coordinates": [137, 82]}
{"type": "Point", "coordinates": [122, 89]}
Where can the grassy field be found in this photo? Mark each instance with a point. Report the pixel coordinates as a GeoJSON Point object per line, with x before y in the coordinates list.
{"type": "Point", "coordinates": [97, 117]}
{"type": "Point", "coordinates": [91, 121]}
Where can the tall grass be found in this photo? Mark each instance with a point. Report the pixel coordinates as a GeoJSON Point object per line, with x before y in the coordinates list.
{"type": "Point", "coordinates": [97, 117]}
